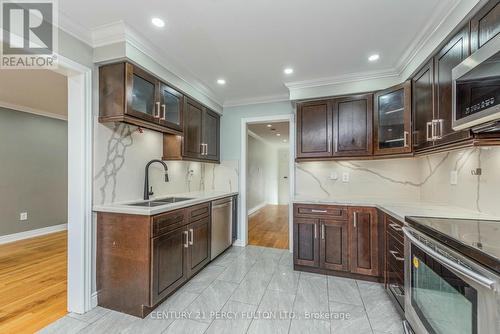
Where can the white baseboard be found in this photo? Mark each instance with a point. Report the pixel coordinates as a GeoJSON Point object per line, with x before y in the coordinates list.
{"type": "Point", "coordinates": [239, 243]}
{"type": "Point", "coordinates": [256, 208]}
{"type": "Point", "coordinates": [93, 300]}
{"type": "Point", "coordinates": [31, 234]}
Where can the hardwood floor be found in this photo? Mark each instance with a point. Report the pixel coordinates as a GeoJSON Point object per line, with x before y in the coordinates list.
{"type": "Point", "coordinates": [268, 227]}
{"type": "Point", "coordinates": [33, 279]}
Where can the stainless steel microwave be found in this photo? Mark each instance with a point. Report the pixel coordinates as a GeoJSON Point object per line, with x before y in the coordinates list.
{"type": "Point", "coordinates": [476, 90]}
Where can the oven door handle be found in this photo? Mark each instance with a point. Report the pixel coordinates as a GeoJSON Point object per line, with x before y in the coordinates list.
{"type": "Point", "coordinates": [458, 269]}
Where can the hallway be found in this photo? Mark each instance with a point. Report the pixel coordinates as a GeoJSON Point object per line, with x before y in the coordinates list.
{"type": "Point", "coordinates": [268, 227]}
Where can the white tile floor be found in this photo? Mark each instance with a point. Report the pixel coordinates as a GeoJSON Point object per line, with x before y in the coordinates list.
{"type": "Point", "coordinates": [254, 290]}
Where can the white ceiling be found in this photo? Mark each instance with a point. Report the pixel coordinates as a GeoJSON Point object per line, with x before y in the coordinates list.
{"type": "Point", "coordinates": [269, 134]}
{"type": "Point", "coordinates": [249, 43]}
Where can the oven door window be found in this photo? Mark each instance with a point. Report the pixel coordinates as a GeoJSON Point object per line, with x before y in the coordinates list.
{"type": "Point", "coordinates": [443, 301]}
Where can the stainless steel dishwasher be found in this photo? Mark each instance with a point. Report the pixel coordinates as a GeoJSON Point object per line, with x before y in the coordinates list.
{"type": "Point", "coordinates": [222, 217]}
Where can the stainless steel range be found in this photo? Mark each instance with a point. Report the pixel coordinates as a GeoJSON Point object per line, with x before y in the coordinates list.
{"type": "Point", "coordinates": [452, 276]}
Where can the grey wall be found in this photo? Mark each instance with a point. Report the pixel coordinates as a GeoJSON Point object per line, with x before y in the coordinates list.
{"type": "Point", "coordinates": [33, 171]}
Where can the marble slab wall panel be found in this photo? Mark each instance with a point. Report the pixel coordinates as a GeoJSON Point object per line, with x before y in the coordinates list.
{"type": "Point", "coordinates": [223, 176]}
{"type": "Point", "coordinates": [476, 192]}
{"type": "Point", "coordinates": [121, 153]}
{"type": "Point", "coordinates": [369, 179]}
{"type": "Point", "coordinates": [424, 179]}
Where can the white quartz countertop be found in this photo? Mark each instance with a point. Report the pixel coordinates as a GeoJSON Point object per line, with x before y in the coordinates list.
{"type": "Point", "coordinates": [196, 198]}
{"type": "Point", "coordinates": [401, 209]}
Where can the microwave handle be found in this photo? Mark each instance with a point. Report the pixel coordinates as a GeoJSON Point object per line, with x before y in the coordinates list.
{"type": "Point", "coordinates": [458, 269]}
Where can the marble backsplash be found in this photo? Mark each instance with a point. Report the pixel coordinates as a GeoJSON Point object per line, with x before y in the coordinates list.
{"type": "Point", "coordinates": [122, 151]}
{"type": "Point", "coordinates": [120, 156]}
{"type": "Point", "coordinates": [425, 179]}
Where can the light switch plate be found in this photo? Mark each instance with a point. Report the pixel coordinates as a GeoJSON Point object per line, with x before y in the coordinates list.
{"type": "Point", "coordinates": [23, 216]}
{"type": "Point", "coordinates": [453, 177]}
{"type": "Point", "coordinates": [345, 177]}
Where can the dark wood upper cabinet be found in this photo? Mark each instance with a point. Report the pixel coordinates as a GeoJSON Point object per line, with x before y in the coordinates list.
{"type": "Point", "coordinates": [392, 120]}
{"type": "Point", "coordinates": [193, 134]}
{"type": "Point", "coordinates": [485, 25]}
{"type": "Point", "coordinates": [169, 260]}
{"type": "Point", "coordinates": [306, 242]}
{"type": "Point", "coordinates": [132, 95]}
{"type": "Point", "coordinates": [423, 106]}
{"type": "Point", "coordinates": [353, 126]}
{"type": "Point", "coordinates": [452, 54]}
{"type": "Point", "coordinates": [201, 139]}
{"type": "Point", "coordinates": [364, 241]}
{"type": "Point", "coordinates": [334, 250]}
{"type": "Point", "coordinates": [314, 129]}
{"type": "Point", "coordinates": [211, 135]}
{"type": "Point", "coordinates": [171, 107]}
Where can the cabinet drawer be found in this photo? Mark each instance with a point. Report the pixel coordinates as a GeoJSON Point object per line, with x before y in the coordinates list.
{"type": "Point", "coordinates": [332, 212]}
{"type": "Point", "coordinates": [168, 221]}
{"type": "Point", "coordinates": [395, 255]}
{"type": "Point", "coordinates": [395, 228]}
{"type": "Point", "coordinates": [198, 211]}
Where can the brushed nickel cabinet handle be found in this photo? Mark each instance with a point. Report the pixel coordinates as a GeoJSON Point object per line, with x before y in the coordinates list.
{"type": "Point", "coordinates": [396, 256]}
{"type": "Point", "coordinates": [157, 110]}
{"type": "Point", "coordinates": [206, 149]}
{"type": "Point", "coordinates": [191, 236]}
{"type": "Point", "coordinates": [315, 231]}
{"type": "Point", "coordinates": [396, 227]}
{"type": "Point", "coordinates": [318, 211]}
{"type": "Point", "coordinates": [329, 144]}
{"type": "Point", "coordinates": [430, 134]}
{"type": "Point", "coordinates": [186, 244]}
{"type": "Point", "coordinates": [323, 231]}
{"type": "Point", "coordinates": [406, 134]}
{"type": "Point", "coordinates": [355, 220]}
{"type": "Point", "coordinates": [164, 113]}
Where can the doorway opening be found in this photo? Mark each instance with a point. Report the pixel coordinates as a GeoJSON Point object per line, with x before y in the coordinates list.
{"type": "Point", "coordinates": [34, 197]}
{"type": "Point", "coordinates": [266, 181]}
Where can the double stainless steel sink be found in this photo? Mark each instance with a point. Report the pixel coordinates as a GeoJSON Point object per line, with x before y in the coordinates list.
{"type": "Point", "coordinates": [160, 201]}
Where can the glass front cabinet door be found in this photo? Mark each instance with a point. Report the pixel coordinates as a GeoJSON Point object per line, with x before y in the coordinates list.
{"type": "Point", "coordinates": [171, 104]}
{"type": "Point", "coordinates": [392, 119]}
{"type": "Point", "coordinates": [142, 94]}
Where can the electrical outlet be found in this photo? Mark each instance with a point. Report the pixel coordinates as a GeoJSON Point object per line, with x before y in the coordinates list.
{"type": "Point", "coordinates": [345, 177]}
{"type": "Point", "coordinates": [333, 176]}
{"type": "Point", "coordinates": [23, 216]}
{"type": "Point", "coordinates": [453, 177]}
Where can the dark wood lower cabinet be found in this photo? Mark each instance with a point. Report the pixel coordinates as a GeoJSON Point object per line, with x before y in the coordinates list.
{"type": "Point", "coordinates": [169, 263]}
{"type": "Point", "coordinates": [305, 242]}
{"type": "Point", "coordinates": [364, 241]}
{"type": "Point", "coordinates": [345, 244]}
{"type": "Point", "coordinates": [141, 260]}
{"type": "Point", "coordinates": [199, 245]}
{"type": "Point", "coordinates": [334, 251]}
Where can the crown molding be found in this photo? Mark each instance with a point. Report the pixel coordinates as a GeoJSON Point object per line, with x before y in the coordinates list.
{"type": "Point", "coordinates": [257, 100]}
{"type": "Point", "coordinates": [74, 29]}
{"type": "Point", "coordinates": [120, 32]}
{"type": "Point", "coordinates": [341, 79]}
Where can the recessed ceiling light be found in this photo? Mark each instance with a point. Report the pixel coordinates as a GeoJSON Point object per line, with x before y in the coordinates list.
{"type": "Point", "coordinates": [288, 70]}
{"type": "Point", "coordinates": [374, 57]}
{"type": "Point", "coordinates": [284, 140]}
{"type": "Point", "coordinates": [221, 81]}
{"type": "Point", "coordinates": [158, 22]}
{"type": "Point", "coordinates": [278, 134]}
{"type": "Point", "coordinates": [269, 125]}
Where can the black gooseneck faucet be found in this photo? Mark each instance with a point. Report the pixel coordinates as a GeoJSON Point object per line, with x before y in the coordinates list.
{"type": "Point", "coordinates": [147, 191]}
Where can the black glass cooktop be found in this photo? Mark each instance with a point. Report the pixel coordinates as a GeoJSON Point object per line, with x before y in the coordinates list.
{"type": "Point", "coordinates": [477, 239]}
